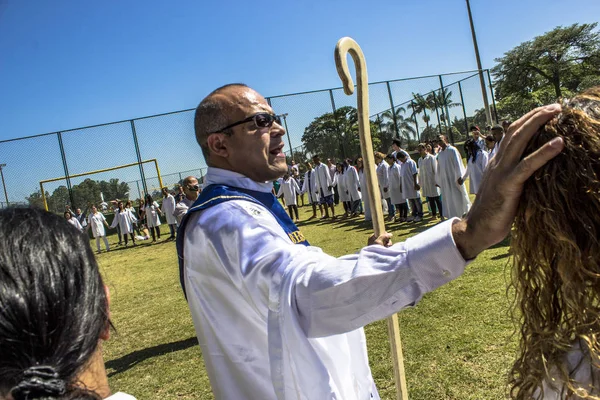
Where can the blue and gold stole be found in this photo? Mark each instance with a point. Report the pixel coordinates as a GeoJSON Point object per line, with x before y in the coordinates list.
{"type": "Point", "coordinates": [217, 194]}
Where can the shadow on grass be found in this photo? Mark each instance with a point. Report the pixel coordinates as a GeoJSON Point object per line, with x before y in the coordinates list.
{"type": "Point", "coordinates": [132, 359]}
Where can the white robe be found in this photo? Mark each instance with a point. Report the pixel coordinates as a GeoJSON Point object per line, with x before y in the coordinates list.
{"type": "Point", "coordinates": [73, 221]}
{"type": "Point", "coordinates": [125, 220]}
{"type": "Point", "coordinates": [409, 170]}
{"type": "Point", "coordinates": [395, 181]}
{"type": "Point", "coordinates": [168, 208]}
{"type": "Point", "coordinates": [152, 217]}
{"type": "Point", "coordinates": [277, 320]}
{"type": "Point", "coordinates": [427, 174]}
{"type": "Point", "coordinates": [312, 190]}
{"type": "Point", "coordinates": [475, 171]}
{"type": "Point", "coordinates": [455, 200]}
{"type": "Point", "coordinates": [339, 180]}
{"type": "Point", "coordinates": [383, 179]}
{"type": "Point", "coordinates": [289, 189]}
{"type": "Point", "coordinates": [182, 208]}
{"type": "Point", "coordinates": [324, 181]}
{"type": "Point", "coordinates": [352, 183]}
{"type": "Point", "coordinates": [96, 224]}
{"type": "Point", "coordinates": [362, 178]}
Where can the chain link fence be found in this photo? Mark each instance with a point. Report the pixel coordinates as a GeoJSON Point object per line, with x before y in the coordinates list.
{"type": "Point", "coordinates": [320, 122]}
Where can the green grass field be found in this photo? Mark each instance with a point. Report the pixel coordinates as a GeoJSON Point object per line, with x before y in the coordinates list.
{"type": "Point", "coordinates": [457, 341]}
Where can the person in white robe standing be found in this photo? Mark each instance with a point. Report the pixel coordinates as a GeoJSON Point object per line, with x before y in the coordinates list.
{"type": "Point", "coordinates": [279, 319]}
{"type": "Point", "coordinates": [289, 190]}
{"type": "Point", "coordinates": [73, 221]}
{"type": "Point", "coordinates": [455, 199]}
{"type": "Point", "coordinates": [325, 186]}
{"type": "Point", "coordinates": [152, 213]}
{"type": "Point", "coordinates": [310, 186]}
{"type": "Point", "coordinates": [427, 179]}
{"type": "Point", "coordinates": [362, 179]}
{"type": "Point", "coordinates": [125, 220]}
{"type": "Point", "coordinates": [353, 187]}
{"type": "Point", "coordinates": [168, 210]}
{"type": "Point", "coordinates": [410, 186]}
{"type": "Point", "coordinates": [190, 189]}
{"type": "Point", "coordinates": [97, 222]}
{"type": "Point", "coordinates": [477, 161]}
{"type": "Point", "coordinates": [395, 186]}
{"type": "Point", "coordinates": [498, 133]}
{"type": "Point", "coordinates": [382, 171]}
{"type": "Point", "coordinates": [339, 182]}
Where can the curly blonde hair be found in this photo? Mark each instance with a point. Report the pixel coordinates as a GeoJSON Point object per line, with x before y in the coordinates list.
{"type": "Point", "coordinates": [556, 259]}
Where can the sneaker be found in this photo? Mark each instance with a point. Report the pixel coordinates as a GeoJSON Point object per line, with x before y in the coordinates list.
{"type": "Point", "coordinates": [418, 219]}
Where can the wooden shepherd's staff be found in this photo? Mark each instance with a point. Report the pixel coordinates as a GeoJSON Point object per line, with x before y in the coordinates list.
{"type": "Point", "coordinates": [344, 46]}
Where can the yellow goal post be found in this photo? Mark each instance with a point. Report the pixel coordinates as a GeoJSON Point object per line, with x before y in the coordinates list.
{"type": "Point", "coordinates": [153, 160]}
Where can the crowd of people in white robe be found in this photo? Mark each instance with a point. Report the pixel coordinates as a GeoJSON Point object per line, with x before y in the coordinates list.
{"type": "Point", "coordinates": [141, 224]}
{"type": "Point", "coordinates": [438, 176]}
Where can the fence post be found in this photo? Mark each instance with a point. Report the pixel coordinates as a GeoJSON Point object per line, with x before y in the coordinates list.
{"type": "Point", "coordinates": [139, 157]}
{"type": "Point", "coordinates": [138, 188]}
{"type": "Point", "coordinates": [66, 168]}
{"type": "Point", "coordinates": [387, 83]}
{"type": "Point", "coordinates": [437, 113]}
{"type": "Point", "coordinates": [493, 98]}
{"type": "Point", "coordinates": [337, 125]}
{"type": "Point", "coordinates": [414, 114]}
{"type": "Point", "coordinates": [462, 102]}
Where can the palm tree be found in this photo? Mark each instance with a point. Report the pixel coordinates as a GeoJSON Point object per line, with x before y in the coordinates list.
{"type": "Point", "coordinates": [443, 99]}
{"type": "Point", "coordinates": [419, 104]}
{"type": "Point", "coordinates": [398, 121]}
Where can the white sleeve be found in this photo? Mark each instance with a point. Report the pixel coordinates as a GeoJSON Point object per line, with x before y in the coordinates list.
{"type": "Point", "coordinates": [332, 295]}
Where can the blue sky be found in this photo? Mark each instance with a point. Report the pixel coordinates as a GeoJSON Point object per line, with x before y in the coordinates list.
{"type": "Point", "coordinates": [67, 64]}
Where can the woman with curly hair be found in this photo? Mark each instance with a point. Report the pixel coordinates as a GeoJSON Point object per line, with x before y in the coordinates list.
{"type": "Point", "coordinates": [556, 264]}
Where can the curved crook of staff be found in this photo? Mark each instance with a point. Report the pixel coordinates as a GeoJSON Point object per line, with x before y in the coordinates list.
{"type": "Point", "coordinates": [344, 47]}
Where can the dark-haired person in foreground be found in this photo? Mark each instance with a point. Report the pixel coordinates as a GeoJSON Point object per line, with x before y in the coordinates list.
{"type": "Point", "coordinates": [53, 311]}
{"type": "Point", "coordinates": [279, 319]}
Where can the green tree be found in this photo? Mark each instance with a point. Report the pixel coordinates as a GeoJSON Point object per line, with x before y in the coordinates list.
{"type": "Point", "coordinates": [443, 100]}
{"type": "Point", "coordinates": [420, 104]}
{"type": "Point", "coordinates": [86, 193]}
{"type": "Point", "coordinates": [404, 124]}
{"type": "Point", "coordinates": [35, 199]}
{"type": "Point", "coordinates": [333, 134]}
{"type": "Point", "coordinates": [558, 63]}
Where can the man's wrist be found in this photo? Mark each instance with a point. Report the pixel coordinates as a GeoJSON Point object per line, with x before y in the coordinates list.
{"type": "Point", "coordinates": [465, 241]}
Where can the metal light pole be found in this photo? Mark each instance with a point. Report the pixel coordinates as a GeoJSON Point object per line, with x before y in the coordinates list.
{"type": "Point", "coordinates": [4, 184]}
{"type": "Point", "coordinates": [486, 103]}
{"type": "Point", "coordinates": [288, 135]}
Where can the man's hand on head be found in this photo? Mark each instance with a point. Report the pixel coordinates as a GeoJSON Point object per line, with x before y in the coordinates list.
{"type": "Point", "coordinates": [490, 219]}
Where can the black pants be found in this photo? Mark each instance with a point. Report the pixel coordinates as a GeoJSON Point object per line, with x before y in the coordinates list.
{"type": "Point", "coordinates": [172, 229]}
{"type": "Point", "coordinates": [132, 238]}
{"type": "Point", "coordinates": [155, 234]}
{"type": "Point", "coordinates": [293, 208]}
{"type": "Point", "coordinates": [433, 201]}
{"type": "Point", "coordinates": [403, 207]}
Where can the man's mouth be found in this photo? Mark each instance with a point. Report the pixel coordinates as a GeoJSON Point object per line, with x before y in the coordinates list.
{"type": "Point", "coordinates": [276, 152]}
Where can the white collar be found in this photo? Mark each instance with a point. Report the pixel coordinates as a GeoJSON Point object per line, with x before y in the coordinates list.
{"type": "Point", "coordinates": [231, 178]}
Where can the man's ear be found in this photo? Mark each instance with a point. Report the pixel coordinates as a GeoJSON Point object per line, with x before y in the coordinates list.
{"type": "Point", "coordinates": [218, 144]}
{"type": "Point", "coordinates": [105, 335]}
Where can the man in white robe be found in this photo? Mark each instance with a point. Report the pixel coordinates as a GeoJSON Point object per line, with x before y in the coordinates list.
{"type": "Point", "coordinates": [190, 190]}
{"type": "Point", "coordinates": [325, 186]}
{"type": "Point", "coordinates": [310, 186]}
{"type": "Point", "coordinates": [278, 320]}
{"type": "Point", "coordinates": [455, 200]}
{"type": "Point", "coordinates": [427, 179]}
{"type": "Point", "coordinates": [498, 133]}
{"type": "Point", "coordinates": [168, 209]}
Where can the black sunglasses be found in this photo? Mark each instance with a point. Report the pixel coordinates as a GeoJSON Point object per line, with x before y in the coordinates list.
{"type": "Point", "coordinates": [261, 120]}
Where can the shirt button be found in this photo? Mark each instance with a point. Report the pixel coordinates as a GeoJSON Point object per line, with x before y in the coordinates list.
{"type": "Point", "coordinates": [446, 273]}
